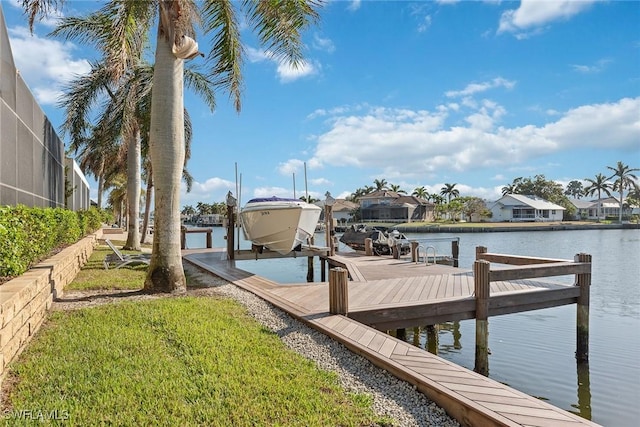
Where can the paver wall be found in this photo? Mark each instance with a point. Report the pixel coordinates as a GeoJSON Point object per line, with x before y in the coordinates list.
{"type": "Point", "coordinates": [25, 300]}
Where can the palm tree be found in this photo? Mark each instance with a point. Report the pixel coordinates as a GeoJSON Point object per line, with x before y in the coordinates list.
{"type": "Point", "coordinates": [449, 191]}
{"type": "Point", "coordinates": [420, 192]}
{"type": "Point", "coordinates": [625, 178]}
{"type": "Point", "coordinates": [396, 188]}
{"type": "Point", "coordinates": [598, 185]}
{"type": "Point", "coordinates": [380, 184]}
{"type": "Point", "coordinates": [278, 25]}
{"type": "Point", "coordinates": [513, 188]}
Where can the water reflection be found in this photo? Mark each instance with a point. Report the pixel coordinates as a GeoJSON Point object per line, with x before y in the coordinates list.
{"type": "Point", "coordinates": [584, 391]}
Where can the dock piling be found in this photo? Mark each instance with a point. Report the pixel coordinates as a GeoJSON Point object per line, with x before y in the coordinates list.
{"type": "Point", "coordinates": [338, 291]}
{"type": "Point", "coordinates": [414, 251]}
{"type": "Point", "coordinates": [368, 246]}
{"type": "Point", "coordinates": [481, 285]}
{"type": "Point", "coordinates": [582, 318]}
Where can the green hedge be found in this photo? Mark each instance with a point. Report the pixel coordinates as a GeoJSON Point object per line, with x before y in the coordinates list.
{"type": "Point", "coordinates": [27, 235]}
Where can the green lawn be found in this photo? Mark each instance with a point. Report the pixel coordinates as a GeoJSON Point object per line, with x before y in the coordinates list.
{"type": "Point", "coordinates": [176, 361]}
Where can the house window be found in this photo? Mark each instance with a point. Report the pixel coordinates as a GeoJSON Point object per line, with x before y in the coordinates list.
{"type": "Point", "coordinates": [553, 212]}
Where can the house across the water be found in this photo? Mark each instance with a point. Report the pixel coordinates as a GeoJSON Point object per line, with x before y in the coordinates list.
{"type": "Point", "coordinates": [389, 206]}
{"type": "Point", "coordinates": [519, 208]}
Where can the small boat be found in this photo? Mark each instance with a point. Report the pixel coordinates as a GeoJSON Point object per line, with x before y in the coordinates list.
{"type": "Point", "coordinates": [383, 241]}
{"type": "Point", "coordinates": [279, 224]}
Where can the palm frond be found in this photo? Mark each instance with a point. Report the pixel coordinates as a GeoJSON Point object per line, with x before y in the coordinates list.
{"type": "Point", "coordinates": [226, 53]}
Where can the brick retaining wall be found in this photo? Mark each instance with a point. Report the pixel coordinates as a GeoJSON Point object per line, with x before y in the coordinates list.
{"type": "Point", "coordinates": [25, 300]}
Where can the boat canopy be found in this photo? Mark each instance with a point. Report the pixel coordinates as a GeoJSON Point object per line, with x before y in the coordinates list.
{"type": "Point", "coordinates": [273, 199]}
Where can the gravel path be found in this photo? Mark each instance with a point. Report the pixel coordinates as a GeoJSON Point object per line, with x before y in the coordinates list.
{"type": "Point", "coordinates": [392, 398]}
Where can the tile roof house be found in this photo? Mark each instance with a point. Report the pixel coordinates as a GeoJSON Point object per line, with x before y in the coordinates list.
{"type": "Point", "coordinates": [520, 208]}
{"type": "Point", "coordinates": [389, 206]}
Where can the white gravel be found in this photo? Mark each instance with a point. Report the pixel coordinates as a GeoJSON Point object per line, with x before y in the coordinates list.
{"type": "Point", "coordinates": [392, 397]}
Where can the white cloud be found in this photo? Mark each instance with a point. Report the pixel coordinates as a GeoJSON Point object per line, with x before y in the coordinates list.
{"type": "Point", "coordinates": [474, 88]}
{"type": "Point", "coordinates": [288, 72]}
{"type": "Point", "coordinates": [591, 69]}
{"type": "Point", "coordinates": [291, 166]}
{"type": "Point", "coordinates": [213, 190]}
{"type": "Point", "coordinates": [323, 44]}
{"type": "Point", "coordinates": [45, 65]}
{"type": "Point", "coordinates": [272, 191]}
{"type": "Point", "coordinates": [354, 5]}
{"type": "Point", "coordinates": [256, 55]}
{"type": "Point", "coordinates": [411, 144]}
{"type": "Point", "coordinates": [533, 14]}
{"type": "Point", "coordinates": [425, 24]}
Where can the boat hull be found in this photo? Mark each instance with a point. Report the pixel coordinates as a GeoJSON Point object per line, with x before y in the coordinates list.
{"type": "Point", "coordinates": [279, 224]}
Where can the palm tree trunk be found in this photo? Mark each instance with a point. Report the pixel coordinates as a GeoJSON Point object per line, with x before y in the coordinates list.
{"type": "Point", "coordinates": [147, 208]}
{"type": "Point", "coordinates": [620, 210]}
{"type": "Point", "coordinates": [166, 147]}
{"type": "Point", "coordinates": [133, 189]}
{"type": "Point", "coordinates": [101, 183]}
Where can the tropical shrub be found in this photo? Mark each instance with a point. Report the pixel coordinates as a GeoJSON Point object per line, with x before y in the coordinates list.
{"type": "Point", "coordinates": [27, 235]}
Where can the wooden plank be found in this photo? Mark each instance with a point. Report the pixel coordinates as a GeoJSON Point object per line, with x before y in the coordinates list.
{"type": "Point", "coordinates": [417, 286]}
{"type": "Point", "coordinates": [386, 290]}
{"type": "Point", "coordinates": [545, 270]}
{"type": "Point", "coordinates": [546, 412]}
{"type": "Point", "coordinates": [517, 260]}
{"type": "Point", "coordinates": [388, 347]}
{"type": "Point", "coordinates": [367, 337]}
{"type": "Point", "coordinates": [377, 342]}
{"type": "Point", "coordinates": [545, 422]}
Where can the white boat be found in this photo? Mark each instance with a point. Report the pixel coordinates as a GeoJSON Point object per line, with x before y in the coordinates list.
{"type": "Point", "coordinates": [279, 224]}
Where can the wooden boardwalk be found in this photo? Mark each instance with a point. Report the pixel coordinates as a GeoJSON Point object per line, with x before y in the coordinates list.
{"type": "Point", "coordinates": [402, 294]}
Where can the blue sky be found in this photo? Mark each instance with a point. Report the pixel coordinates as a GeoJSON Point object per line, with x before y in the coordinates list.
{"type": "Point", "coordinates": [416, 93]}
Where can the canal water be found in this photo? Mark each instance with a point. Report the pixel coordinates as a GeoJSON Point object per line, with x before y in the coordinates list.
{"type": "Point", "coordinates": [534, 351]}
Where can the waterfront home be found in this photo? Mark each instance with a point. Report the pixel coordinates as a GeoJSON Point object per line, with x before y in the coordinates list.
{"type": "Point", "coordinates": [389, 206]}
{"type": "Point", "coordinates": [341, 211]}
{"type": "Point", "coordinates": [520, 208]}
{"type": "Point", "coordinates": [609, 207]}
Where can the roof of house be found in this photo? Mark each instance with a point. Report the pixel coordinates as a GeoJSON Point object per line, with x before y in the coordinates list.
{"type": "Point", "coordinates": [532, 201]}
{"type": "Point", "coordinates": [344, 205]}
{"type": "Point", "coordinates": [411, 200]}
{"type": "Point", "coordinates": [381, 194]}
{"type": "Point", "coordinates": [582, 203]}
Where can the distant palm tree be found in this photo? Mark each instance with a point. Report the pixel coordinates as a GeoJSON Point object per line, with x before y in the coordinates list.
{"type": "Point", "coordinates": [449, 191]}
{"type": "Point", "coordinates": [380, 184]}
{"type": "Point", "coordinates": [420, 192]}
{"type": "Point", "coordinates": [396, 188]}
{"type": "Point", "coordinates": [309, 199]}
{"type": "Point", "coordinates": [509, 189]}
{"type": "Point", "coordinates": [625, 178]}
{"type": "Point", "coordinates": [599, 185]}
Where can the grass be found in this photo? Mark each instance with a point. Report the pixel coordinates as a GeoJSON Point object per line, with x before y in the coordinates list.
{"type": "Point", "coordinates": [93, 275]}
{"type": "Point", "coordinates": [170, 361]}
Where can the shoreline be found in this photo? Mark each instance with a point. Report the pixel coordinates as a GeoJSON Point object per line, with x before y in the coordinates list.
{"type": "Point", "coordinates": [507, 227]}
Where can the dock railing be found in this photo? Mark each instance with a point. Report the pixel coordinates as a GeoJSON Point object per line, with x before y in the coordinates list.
{"type": "Point", "coordinates": [416, 244]}
{"type": "Point", "coordinates": [528, 268]}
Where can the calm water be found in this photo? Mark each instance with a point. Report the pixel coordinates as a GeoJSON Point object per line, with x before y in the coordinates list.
{"type": "Point", "coordinates": [534, 351]}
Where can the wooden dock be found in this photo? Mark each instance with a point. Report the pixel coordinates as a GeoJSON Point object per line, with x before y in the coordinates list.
{"type": "Point", "coordinates": [387, 293]}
